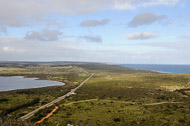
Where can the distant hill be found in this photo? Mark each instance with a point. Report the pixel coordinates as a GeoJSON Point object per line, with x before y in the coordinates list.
{"type": "Point", "coordinates": [86, 65]}
{"type": "Point", "coordinates": [110, 68]}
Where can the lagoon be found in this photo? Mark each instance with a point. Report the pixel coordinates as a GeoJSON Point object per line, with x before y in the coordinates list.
{"type": "Point", "coordinates": [20, 82]}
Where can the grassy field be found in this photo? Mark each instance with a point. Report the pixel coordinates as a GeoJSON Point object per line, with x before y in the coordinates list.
{"type": "Point", "coordinates": [114, 96]}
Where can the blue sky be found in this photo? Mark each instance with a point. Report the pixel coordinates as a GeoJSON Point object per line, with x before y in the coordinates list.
{"type": "Point", "coordinates": [119, 31]}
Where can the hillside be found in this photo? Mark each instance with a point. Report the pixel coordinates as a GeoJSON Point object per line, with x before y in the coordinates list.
{"type": "Point", "coordinates": [115, 95]}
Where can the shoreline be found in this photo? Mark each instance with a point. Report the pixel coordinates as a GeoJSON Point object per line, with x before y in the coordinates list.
{"type": "Point", "coordinates": [17, 90]}
{"type": "Point", "coordinates": [154, 70]}
{"type": "Point", "coordinates": [65, 84]}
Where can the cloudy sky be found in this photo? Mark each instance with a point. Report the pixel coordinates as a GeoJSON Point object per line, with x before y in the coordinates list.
{"type": "Point", "coordinates": [120, 31]}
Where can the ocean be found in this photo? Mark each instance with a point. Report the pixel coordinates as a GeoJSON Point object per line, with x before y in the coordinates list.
{"type": "Point", "coordinates": [181, 69]}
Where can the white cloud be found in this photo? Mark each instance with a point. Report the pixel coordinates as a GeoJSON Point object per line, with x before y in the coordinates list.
{"type": "Point", "coordinates": [57, 50]}
{"type": "Point", "coordinates": [89, 38]}
{"type": "Point", "coordinates": [141, 35]}
{"type": "Point", "coordinates": [82, 51]}
{"type": "Point", "coordinates": [24, 12]}
{"type": "Point", "coordinates": [12, 50]}
{"type": "Point", "coordinates": [133, 4]}
{"type": "Point", "coordinates": [44, 35]}
{"type": "Point", "coordinates": [93, 23]}
{"type": "Point", "coordinates": [7, 49]}
{"type": "Point", "coordinates": [185, 37]}
{"type": "Point", "coordinates": [182, 45]}
{"type": "Point", "coordinates": [141, 57]}
{"type": "Point", "coordinates": [145, 18]}
{"type": "Point", "coordinates": [3, 30]}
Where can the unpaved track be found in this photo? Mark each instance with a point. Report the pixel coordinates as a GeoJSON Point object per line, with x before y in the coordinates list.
{"type": "Point", "coordinates": [47, 116]}
{"type": "Point", "coordinates": [82, 101]}
{"type": "Point", "coordinates": [160, 103]}
{"type": "Point", "coordinates": [56, 100]}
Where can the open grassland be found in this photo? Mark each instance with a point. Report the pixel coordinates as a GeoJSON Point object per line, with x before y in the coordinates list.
{"type": "Point", "coordinates": [114, 96]}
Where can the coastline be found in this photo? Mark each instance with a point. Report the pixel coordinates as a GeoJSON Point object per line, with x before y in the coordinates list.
{"type": "Point", "coordinates": [160, 68]}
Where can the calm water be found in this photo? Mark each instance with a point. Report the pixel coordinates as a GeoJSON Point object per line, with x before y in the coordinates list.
{"type": "Point", "coordinates": [19, 82]}
{"type": "Point", "coordinates": [161, 68]}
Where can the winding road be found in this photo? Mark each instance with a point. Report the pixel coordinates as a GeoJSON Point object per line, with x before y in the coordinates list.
{"type": "Point", "coordinates": [56, 100]}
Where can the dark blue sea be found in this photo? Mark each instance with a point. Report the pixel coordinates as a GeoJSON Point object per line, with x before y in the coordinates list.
{"type": "Point", "coordinates": [161, 68]}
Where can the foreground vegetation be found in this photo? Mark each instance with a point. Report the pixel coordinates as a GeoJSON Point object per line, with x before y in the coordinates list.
{"type": "Point", "coordinates": [114, 96]}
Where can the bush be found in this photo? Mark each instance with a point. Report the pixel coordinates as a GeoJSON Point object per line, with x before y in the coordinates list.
{"type": "Point", "coordinates": [3, 100]}
{"type": "Point", "coordinates": [7, 111]}
{"type": "Point", "coordinates": [117, 120]}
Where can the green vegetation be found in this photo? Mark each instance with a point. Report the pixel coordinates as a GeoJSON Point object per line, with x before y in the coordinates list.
{"type": "Point", "coordinates": [119, 113]}
{"type": "Point", "coordinates": [3, 100]}
{"type": "Point", "coordinates": [114, 96]}
{"type": "Point", "coordinates": [41, 113]}
{"type": "Point", "coordinates": [7, 111]}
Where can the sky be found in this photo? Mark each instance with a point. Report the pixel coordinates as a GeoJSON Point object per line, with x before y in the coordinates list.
{"type": "Point", "coordinates": [118, 31]}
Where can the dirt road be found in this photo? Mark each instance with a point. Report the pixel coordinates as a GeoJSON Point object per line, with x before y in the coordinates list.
{"type": "Point", "coordinates": [56, 100]}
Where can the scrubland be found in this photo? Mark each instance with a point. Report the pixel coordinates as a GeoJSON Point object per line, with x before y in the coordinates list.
{"type": "Point", "coordinates": [114, 96]}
